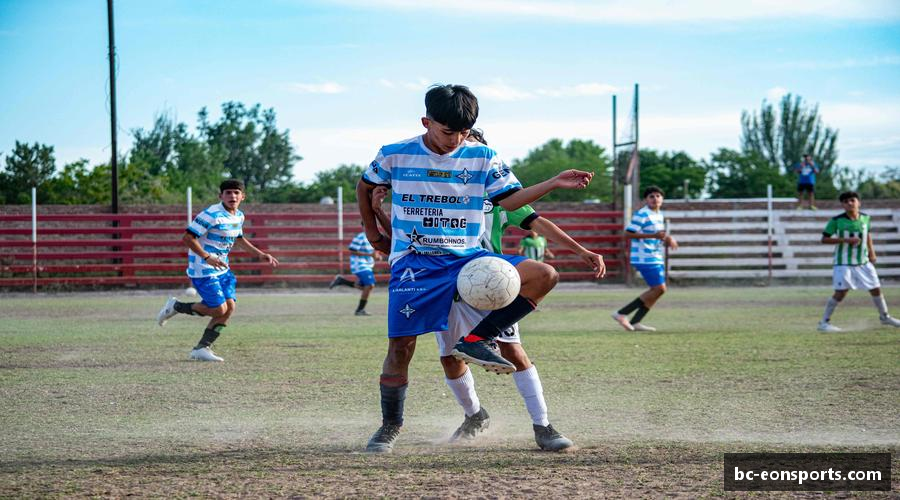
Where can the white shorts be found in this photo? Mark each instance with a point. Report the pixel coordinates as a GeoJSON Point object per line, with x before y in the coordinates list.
{"type": "Point", "coordinates": [461, 321]}
{"type": "Point", "coordinates": [853, 277]}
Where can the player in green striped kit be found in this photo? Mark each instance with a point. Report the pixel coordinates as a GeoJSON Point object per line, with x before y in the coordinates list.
{"type": "Point", "coordinates": [854, 257]}
{"type": "Point", "coordinates": [534, 246]}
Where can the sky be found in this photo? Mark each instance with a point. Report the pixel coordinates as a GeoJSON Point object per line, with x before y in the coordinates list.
{"type": "Point", "coordinates": [347, 76]}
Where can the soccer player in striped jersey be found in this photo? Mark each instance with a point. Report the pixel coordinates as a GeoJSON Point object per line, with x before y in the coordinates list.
{"type": "Point", "coordinates": [854, 258]}
{"type": "Point", "coordinates": [210, 238]}
{"type": "Point", "coordinates": [362, 264]}
{"type": "Point", "coordinates": [647, 233]}
{"type": "Point", "coordinates": [439, 183]}
{"type": "Point", "coordinates": [464, 317]}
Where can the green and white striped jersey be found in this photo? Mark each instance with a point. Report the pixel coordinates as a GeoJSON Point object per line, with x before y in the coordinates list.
{"type": "Point", "coordinates": [496, 220]}
{"type": "Point", "coordinates": [842, 226]}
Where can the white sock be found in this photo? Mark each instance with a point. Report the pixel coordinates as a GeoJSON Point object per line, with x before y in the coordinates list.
{"type": "Point", "coordinates": [529, 384]}
{"type": "Point", "coordinates": [829, 309]}
{"type": "Point", "coordinates": [880, 304]}
{"type": "Point", "coordinates": [464, 390]}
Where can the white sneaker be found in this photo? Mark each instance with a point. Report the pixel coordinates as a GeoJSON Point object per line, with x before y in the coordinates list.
{"type": "Point", "coordinates": [204, 354]}
{"type": "Point", "coordinates": [639, 327]}
{"type": "Point", "coordinates": [166, 312]}
{"type": "Point", "coordinates": [890, 321]}
{"type": "Point", "coordinates": [623, 320]}
{"type": "Point", "coordinates": [827, 327]}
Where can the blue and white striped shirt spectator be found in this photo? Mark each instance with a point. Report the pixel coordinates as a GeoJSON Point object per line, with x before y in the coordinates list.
{"type": "Point", "coordinates": [216, 230]}
{"type": "Point", "coordinates": [359, 263]}
{"type": "Point", "coordinates": [437, 199]}
{"type": "Point", "coordinates": [647, 250]}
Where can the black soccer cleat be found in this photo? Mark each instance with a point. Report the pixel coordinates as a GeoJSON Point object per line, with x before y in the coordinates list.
{"type": "Point", "coordinates": [472, 426]}
{"type": "Point", "coordinates": [383, 439]}
{"type": "Point", "coordinates": [549, 439]}
{"type": "Point", "coordinates": [339, 280]}
{"type": "Point", "coordinates": [484, 354]}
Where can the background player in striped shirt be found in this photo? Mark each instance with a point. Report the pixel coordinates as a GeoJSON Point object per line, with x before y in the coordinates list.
{"type": "Point", "coordinates": [362, 264]}
{"type": "Point", "coordinates": [647, 233]}
{"type": "Point", "coordinates": [854, 258]}
{"type": "Point", "coordinates": [209, 238]}
{"type": "Point", "coordinates": [439, 183]}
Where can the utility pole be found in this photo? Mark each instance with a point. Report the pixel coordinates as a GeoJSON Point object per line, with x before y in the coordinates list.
{"type": "Point", "coordinates": [113, 124]}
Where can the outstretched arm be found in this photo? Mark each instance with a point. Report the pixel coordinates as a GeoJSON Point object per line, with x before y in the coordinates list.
{"type": "Point", "coordinates": [557, 235]}
{"type": "Point", "coordinates": [568, 179]}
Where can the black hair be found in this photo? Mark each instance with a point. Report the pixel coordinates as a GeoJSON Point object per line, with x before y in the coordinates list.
{"type": "Point", "coordinates": [653, 189]}
{"type": "Point", "coordinates": [847, 195]}
{"type": "Point", "coordinates": [454, 106]}
{"type": "Point", "coordinates": [231, 184]}
{"type": "Point", "coordinates": [478, 135]}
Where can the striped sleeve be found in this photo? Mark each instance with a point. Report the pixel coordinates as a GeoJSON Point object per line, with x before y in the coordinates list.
{"type": "Point", "coordinates": [500, 182]}
{"type": "Point", "coordinates": [201, 224]}
{"type": "Point", "coordinates": [378, 173]}
{"type": "Point", "coordinates": [638, 221]}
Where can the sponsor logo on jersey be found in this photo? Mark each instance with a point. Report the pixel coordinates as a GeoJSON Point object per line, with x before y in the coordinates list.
{"type": "Point", "coordinates": [440, 173]}
{"type": "Point", "coordinates": [464, 176]}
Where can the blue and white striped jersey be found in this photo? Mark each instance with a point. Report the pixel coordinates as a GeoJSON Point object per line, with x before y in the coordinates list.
{"type": "Point", "coordinates": [358, 263]}
{"type": "Point", "coordinates": [649, 250]}
{"type": "Point", "coordinates": [437, 200]}
{"type": "Point", "coordinates": [217, 230]}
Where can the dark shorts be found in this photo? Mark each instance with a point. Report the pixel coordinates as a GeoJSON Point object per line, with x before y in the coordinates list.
{"type": "Point", "coordinates": [809, 188]}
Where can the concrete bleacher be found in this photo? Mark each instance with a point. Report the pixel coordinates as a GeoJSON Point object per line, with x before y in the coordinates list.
{"type": "Point", "coordinates": [734, 243]}
{"type": "Point", "coordinates": [79, 247]}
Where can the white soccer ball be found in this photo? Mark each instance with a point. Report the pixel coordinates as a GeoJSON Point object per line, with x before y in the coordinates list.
{"type": "Point", "coordinates": [190, 291]}
{"type": "Point", "coordinates": [488, 283]}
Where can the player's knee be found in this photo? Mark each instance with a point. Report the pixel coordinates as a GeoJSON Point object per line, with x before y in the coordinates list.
{"type": "Point", "coordinates": [875, 292]}
{"type": "Point", "coordinates": [453, 368]}
{"type": "Point", "coordinates": [400, 351]}
{"type": "Point", "coordinates": [548, 276]}
{"type": "Point", "coordinates": [515, 354]}
{"type": "Point", "coordinates": [218, 312]}
{"type": "Point", "coordinates": [661, 289]}
{"type": "Point", "coordinates": [839, 295]}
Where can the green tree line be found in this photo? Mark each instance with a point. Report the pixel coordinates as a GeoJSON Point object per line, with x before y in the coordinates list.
{"type": "Point", "coordinates": [245, 143]}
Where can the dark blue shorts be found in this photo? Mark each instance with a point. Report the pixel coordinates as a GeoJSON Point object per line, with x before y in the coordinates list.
{"type": "Point", "coordinates": [653, 274]}
{"type": "Point", "coordinates": [215, 290]}
{"type": "Point", "coordinates": [365, 278]}
{"type": "Point", "coordinates": [422, 288]}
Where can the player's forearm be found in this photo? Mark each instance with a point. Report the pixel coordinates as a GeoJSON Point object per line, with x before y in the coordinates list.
{"type": "Point", "coordinates": [556, 235]}
{"type": "Point", "coordinates": [834, 241]}
{"type": "Point", "coordinates": [383, 219]}
{"type": "Point", "coordinates": [249, 247]}
{"type": "Point", "coordinates": [527, 195]}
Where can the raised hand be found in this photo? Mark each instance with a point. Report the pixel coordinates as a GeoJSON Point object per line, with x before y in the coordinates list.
{"type": "Point", "coordinates": [573, 179]}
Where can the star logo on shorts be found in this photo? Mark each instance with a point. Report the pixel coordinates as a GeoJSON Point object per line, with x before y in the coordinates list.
{"type": "Point", "coordinates": [464, 176]}
{"type": "Point", "coordinates": [407, 311]}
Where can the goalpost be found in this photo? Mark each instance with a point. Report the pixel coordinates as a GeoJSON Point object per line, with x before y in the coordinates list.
{"type": "Point", "coordinates": [631, 181]}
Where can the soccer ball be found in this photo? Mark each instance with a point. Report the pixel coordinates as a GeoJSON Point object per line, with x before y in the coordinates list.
{"type": "Point", "coordinates": [190, 291]}
{"type": "Point", "coordinates": [488, 283]}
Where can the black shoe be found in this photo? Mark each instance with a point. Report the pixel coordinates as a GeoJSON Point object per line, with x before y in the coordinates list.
{"type": "Point", "coordinates": [362, 312]}
{"type": "Point", "coordinates": [383, 439]}
{"type": "Point", "coordinates": [472, 426]}
{"type": "Point", "coordinates": [549, 439]}
{"type": "Point", "coordinates": [335, 282]}
{"type": "Point", "coordinates": [484, 354]}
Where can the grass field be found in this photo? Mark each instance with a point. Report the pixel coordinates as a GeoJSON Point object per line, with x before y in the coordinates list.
{"type": "Point", "coordinates": [100, 401]}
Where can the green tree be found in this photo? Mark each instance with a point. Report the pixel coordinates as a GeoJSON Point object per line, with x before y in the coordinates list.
{"type": "Point", "coordinates": [27, 166]}
{"type": "Point", "coordinates": [784, 135]}
{"type": "Point", "coordinates": [736, 174]}
{"type": "Point", "coordinates": [868, 185]}
{"type": "Point", "coordinates": [176, 159]}
{"type": "Point", "coordinates": [554, 157]}
{"type": "Point", "coordinates": [255, 150]}
{"type": "Point", "coordinates": [669, 170]}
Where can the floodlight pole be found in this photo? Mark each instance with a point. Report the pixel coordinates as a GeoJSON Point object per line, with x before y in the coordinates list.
{"type": "Point", "coordinates": [114, 165]}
